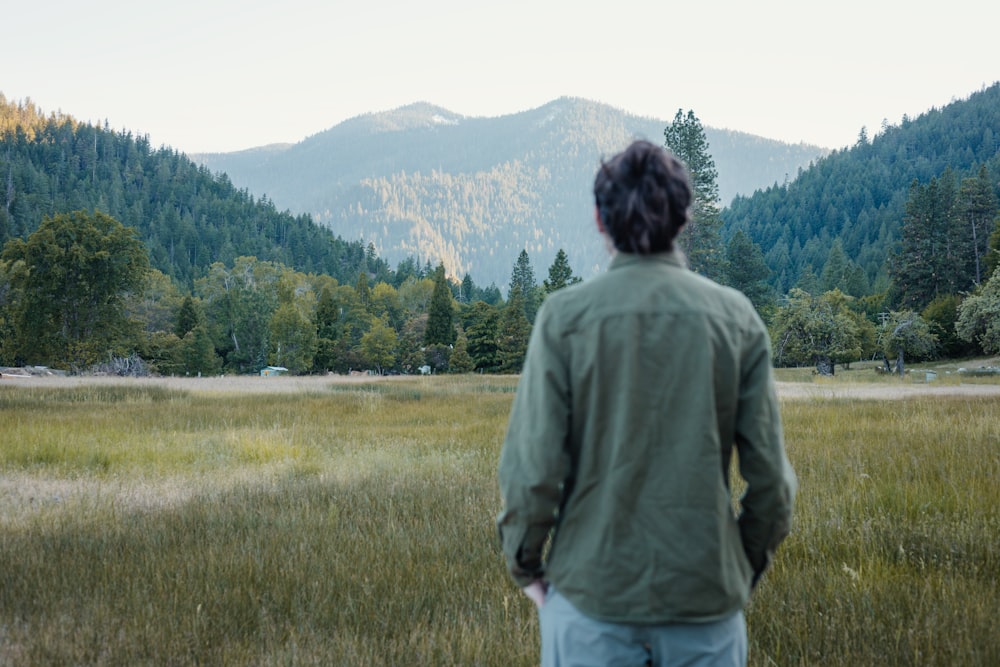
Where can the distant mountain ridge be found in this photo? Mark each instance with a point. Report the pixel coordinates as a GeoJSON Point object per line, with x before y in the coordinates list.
{"type": "Point", "coordinates": [473, 192]}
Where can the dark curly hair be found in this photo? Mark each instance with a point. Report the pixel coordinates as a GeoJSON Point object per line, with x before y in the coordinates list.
{"type": "Point", "coordinates": [643, 195]}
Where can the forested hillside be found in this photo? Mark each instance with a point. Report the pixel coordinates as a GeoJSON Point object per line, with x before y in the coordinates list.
{"type": "Point", "coordinates": [857, 196]}
{"type": "Point", "coordinates": [187, 217]}
{"type": "Point", "coordinates": [473, 192]}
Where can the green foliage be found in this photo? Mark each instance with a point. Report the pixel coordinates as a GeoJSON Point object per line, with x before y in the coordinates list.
{"type": "Point", "coordinates": [979, 316]}
{"type": "Point", "coordinates": [188, 317]}
{"type": "Point", "coordinates": [71, 280]}
{"type": "Point", "coordinates": [859, 194]}
{"type": "Point", "coordinates": [513, 333]}
{"type": "Point", "coordinates": [460, 361]}
{"type": "Point", "coordinates": [240, 302]}
{"type": "Point", "coordinates": [522, 278]}
{"type": "Point", "coordinates": [560, 274]}
{"type": "Point", "coordinates": [935, 258]}
{"type": "Point", "coordinates": [291, 339]}
{"type": "Point", "coordinates": [747, 272]}
{"type": "Point", "coordinates": [906, 334]}
{"type": "Point", "coordinates": [379, 345]}
{"type": "Point", "coordinates": [818, 331]}
{"type": "Point", "coordinates": [187, 217]}
{"type": "Point", "coordinates": [482, 328]}
{"type": "Point", "coordinates": [440, 315]}
{"type": "Point", "coordinates": [941, 316]}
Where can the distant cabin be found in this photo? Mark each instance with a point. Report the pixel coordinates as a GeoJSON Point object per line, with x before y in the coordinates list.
{"type": "Point", "coordinates": [268, 371]}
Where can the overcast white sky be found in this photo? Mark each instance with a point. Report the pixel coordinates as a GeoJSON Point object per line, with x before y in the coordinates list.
{"type": "Point", "coordinates": [223, 75]}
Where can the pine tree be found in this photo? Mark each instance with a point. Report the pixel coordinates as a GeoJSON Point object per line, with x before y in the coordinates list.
{"type": "Point", "coordinates": [747, 271]}
{"type": "Point", "coordinates": [460, 361]}
{"type": "Point", "coordinates": [977, 207]}
{"type": "Point", "coordinates": [515, 330]}
{"type": "Point", "coordinates": [560, 274]}
{"type": "Point", "coordinates": [935, 257]}
{"type": "Point", "coordinates": [482, 323]}
{"type": "Point", "coordinates": [685, 138]}
{"type": "Point", "coordinates": [188, 317]}
{"type": "Point", "coordinates": [523, 279]}
{"type": "Point", "coordinates": [440, 315]}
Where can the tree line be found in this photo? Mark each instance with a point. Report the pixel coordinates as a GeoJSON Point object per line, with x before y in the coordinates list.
{"type": "Point", "coordinates": [80, 293]}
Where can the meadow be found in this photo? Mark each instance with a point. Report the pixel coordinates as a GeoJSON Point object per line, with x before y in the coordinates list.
{"type": "Point", "coordinates": [352, 524]}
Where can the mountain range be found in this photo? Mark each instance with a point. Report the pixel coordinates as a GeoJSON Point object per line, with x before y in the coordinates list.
{"type": "Point", "coordinates": [423, 182]}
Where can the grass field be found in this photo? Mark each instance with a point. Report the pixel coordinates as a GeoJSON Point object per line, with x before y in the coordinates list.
{"type": "Point", "coordinates": [352, 523]}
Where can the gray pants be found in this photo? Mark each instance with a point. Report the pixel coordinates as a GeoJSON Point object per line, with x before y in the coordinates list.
{"type": "Point", "coordinates": [570, 639]}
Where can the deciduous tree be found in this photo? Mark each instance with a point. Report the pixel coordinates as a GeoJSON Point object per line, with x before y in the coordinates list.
{"type": "Point", "coordinates": [71, 280]}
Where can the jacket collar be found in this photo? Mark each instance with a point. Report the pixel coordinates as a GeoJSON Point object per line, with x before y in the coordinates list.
{"type": "Point", "coordinates": [672, 257]}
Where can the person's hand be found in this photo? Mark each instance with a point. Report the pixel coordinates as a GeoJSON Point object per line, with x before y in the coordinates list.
{"type": "Point", "coordinates": [536, 592]}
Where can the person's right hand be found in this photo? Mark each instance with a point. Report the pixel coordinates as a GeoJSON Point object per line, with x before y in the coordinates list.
{"type": "Point", "coordinates": [536, 591]}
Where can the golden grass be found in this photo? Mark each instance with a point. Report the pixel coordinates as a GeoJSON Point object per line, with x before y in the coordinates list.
{"type": "Point", "coordinates": [353, 524]}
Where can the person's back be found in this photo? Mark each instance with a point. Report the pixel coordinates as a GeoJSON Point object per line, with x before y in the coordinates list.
{"type": "Point", "coordinates": [636, 386]}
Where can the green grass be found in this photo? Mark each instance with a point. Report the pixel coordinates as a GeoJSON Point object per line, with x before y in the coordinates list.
{"type": "Point", "coordinates": [354, 525]}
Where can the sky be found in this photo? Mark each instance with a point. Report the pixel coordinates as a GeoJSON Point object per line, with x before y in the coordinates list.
{"type": "Point", "coordinates": [225, 75]}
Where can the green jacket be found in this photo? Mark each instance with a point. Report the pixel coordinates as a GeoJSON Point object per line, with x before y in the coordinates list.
{"type": "Point", "coordinates": [636, 386]}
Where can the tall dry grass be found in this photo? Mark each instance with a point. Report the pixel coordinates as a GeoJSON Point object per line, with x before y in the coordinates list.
{"type": "Point", "coordinates": [353, 524]}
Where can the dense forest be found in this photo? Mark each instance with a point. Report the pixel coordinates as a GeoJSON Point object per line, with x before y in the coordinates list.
{"type": "Point", "coordinates": [187, 217]}
{"type": "Point", "coordinates": [856, 197]}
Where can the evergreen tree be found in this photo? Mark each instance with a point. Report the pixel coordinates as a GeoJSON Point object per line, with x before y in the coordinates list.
{"type": "Point", "coordinates": [977, 208]}
{"type": "Point", "coordinates": [747, 271]}
{"type": "Point", "coordinates": [467, 291]}
{"type": "Point", "coordinates": [482, 324]}
{"type": "Point", "coordinates": [460, 361]}
{"type": "Point", "coordinates": [363, 290]}
{"type": "Point", "coordinates": [514, 332]}
{"type": "Point", "coordinates": [836, 270]}
{"type": "Point", "coordinates": [440, 315]}
{"type": "Point", "coordinates": [197, 353]}
{"type": "Point", "coordinates": [685, 138]}
{"type": "Point", "coordinates": [560, 274]}
{"type": "Point", "coordinates": [935, 256]}
{"type": "Point", "coordinates": [188, 317]}
{"type": "Point", "coordinates": [523, 279]}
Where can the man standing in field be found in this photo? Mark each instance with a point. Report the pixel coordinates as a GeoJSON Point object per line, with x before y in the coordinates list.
{"type": "Point", "coordinates": [614, 473]}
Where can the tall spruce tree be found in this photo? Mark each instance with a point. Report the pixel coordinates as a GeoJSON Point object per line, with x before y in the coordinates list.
{"type": "Point", "coordinates": [935, 257]}
{"type": "Point", "coordinates": [747, 271]}
{"type": "Point", "coordinates": [440, 315]}
{"type": "Point", "coordinates": [685, 138]}
{"type": "Point", "coordinates": [515, 330]}
{"type": "Point", "coordinates": [560, 274]}
{"type": "Point", "coordinates": [977, 207]}
{"type": "Point", "coordinates": [523, 278]}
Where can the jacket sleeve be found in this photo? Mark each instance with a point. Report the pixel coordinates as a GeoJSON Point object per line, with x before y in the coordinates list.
{"type": "Point", "coordinates": [534, 463]}
{"type": "Point", "coordinates": [765, 519]}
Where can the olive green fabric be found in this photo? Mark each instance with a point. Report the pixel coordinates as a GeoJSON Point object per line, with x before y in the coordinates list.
{"type": "Point", "coordinates": [636, 387]}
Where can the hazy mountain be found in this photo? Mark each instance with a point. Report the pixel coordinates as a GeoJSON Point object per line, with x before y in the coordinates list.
{"type": "Point", "coordinates": [425, 182]}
